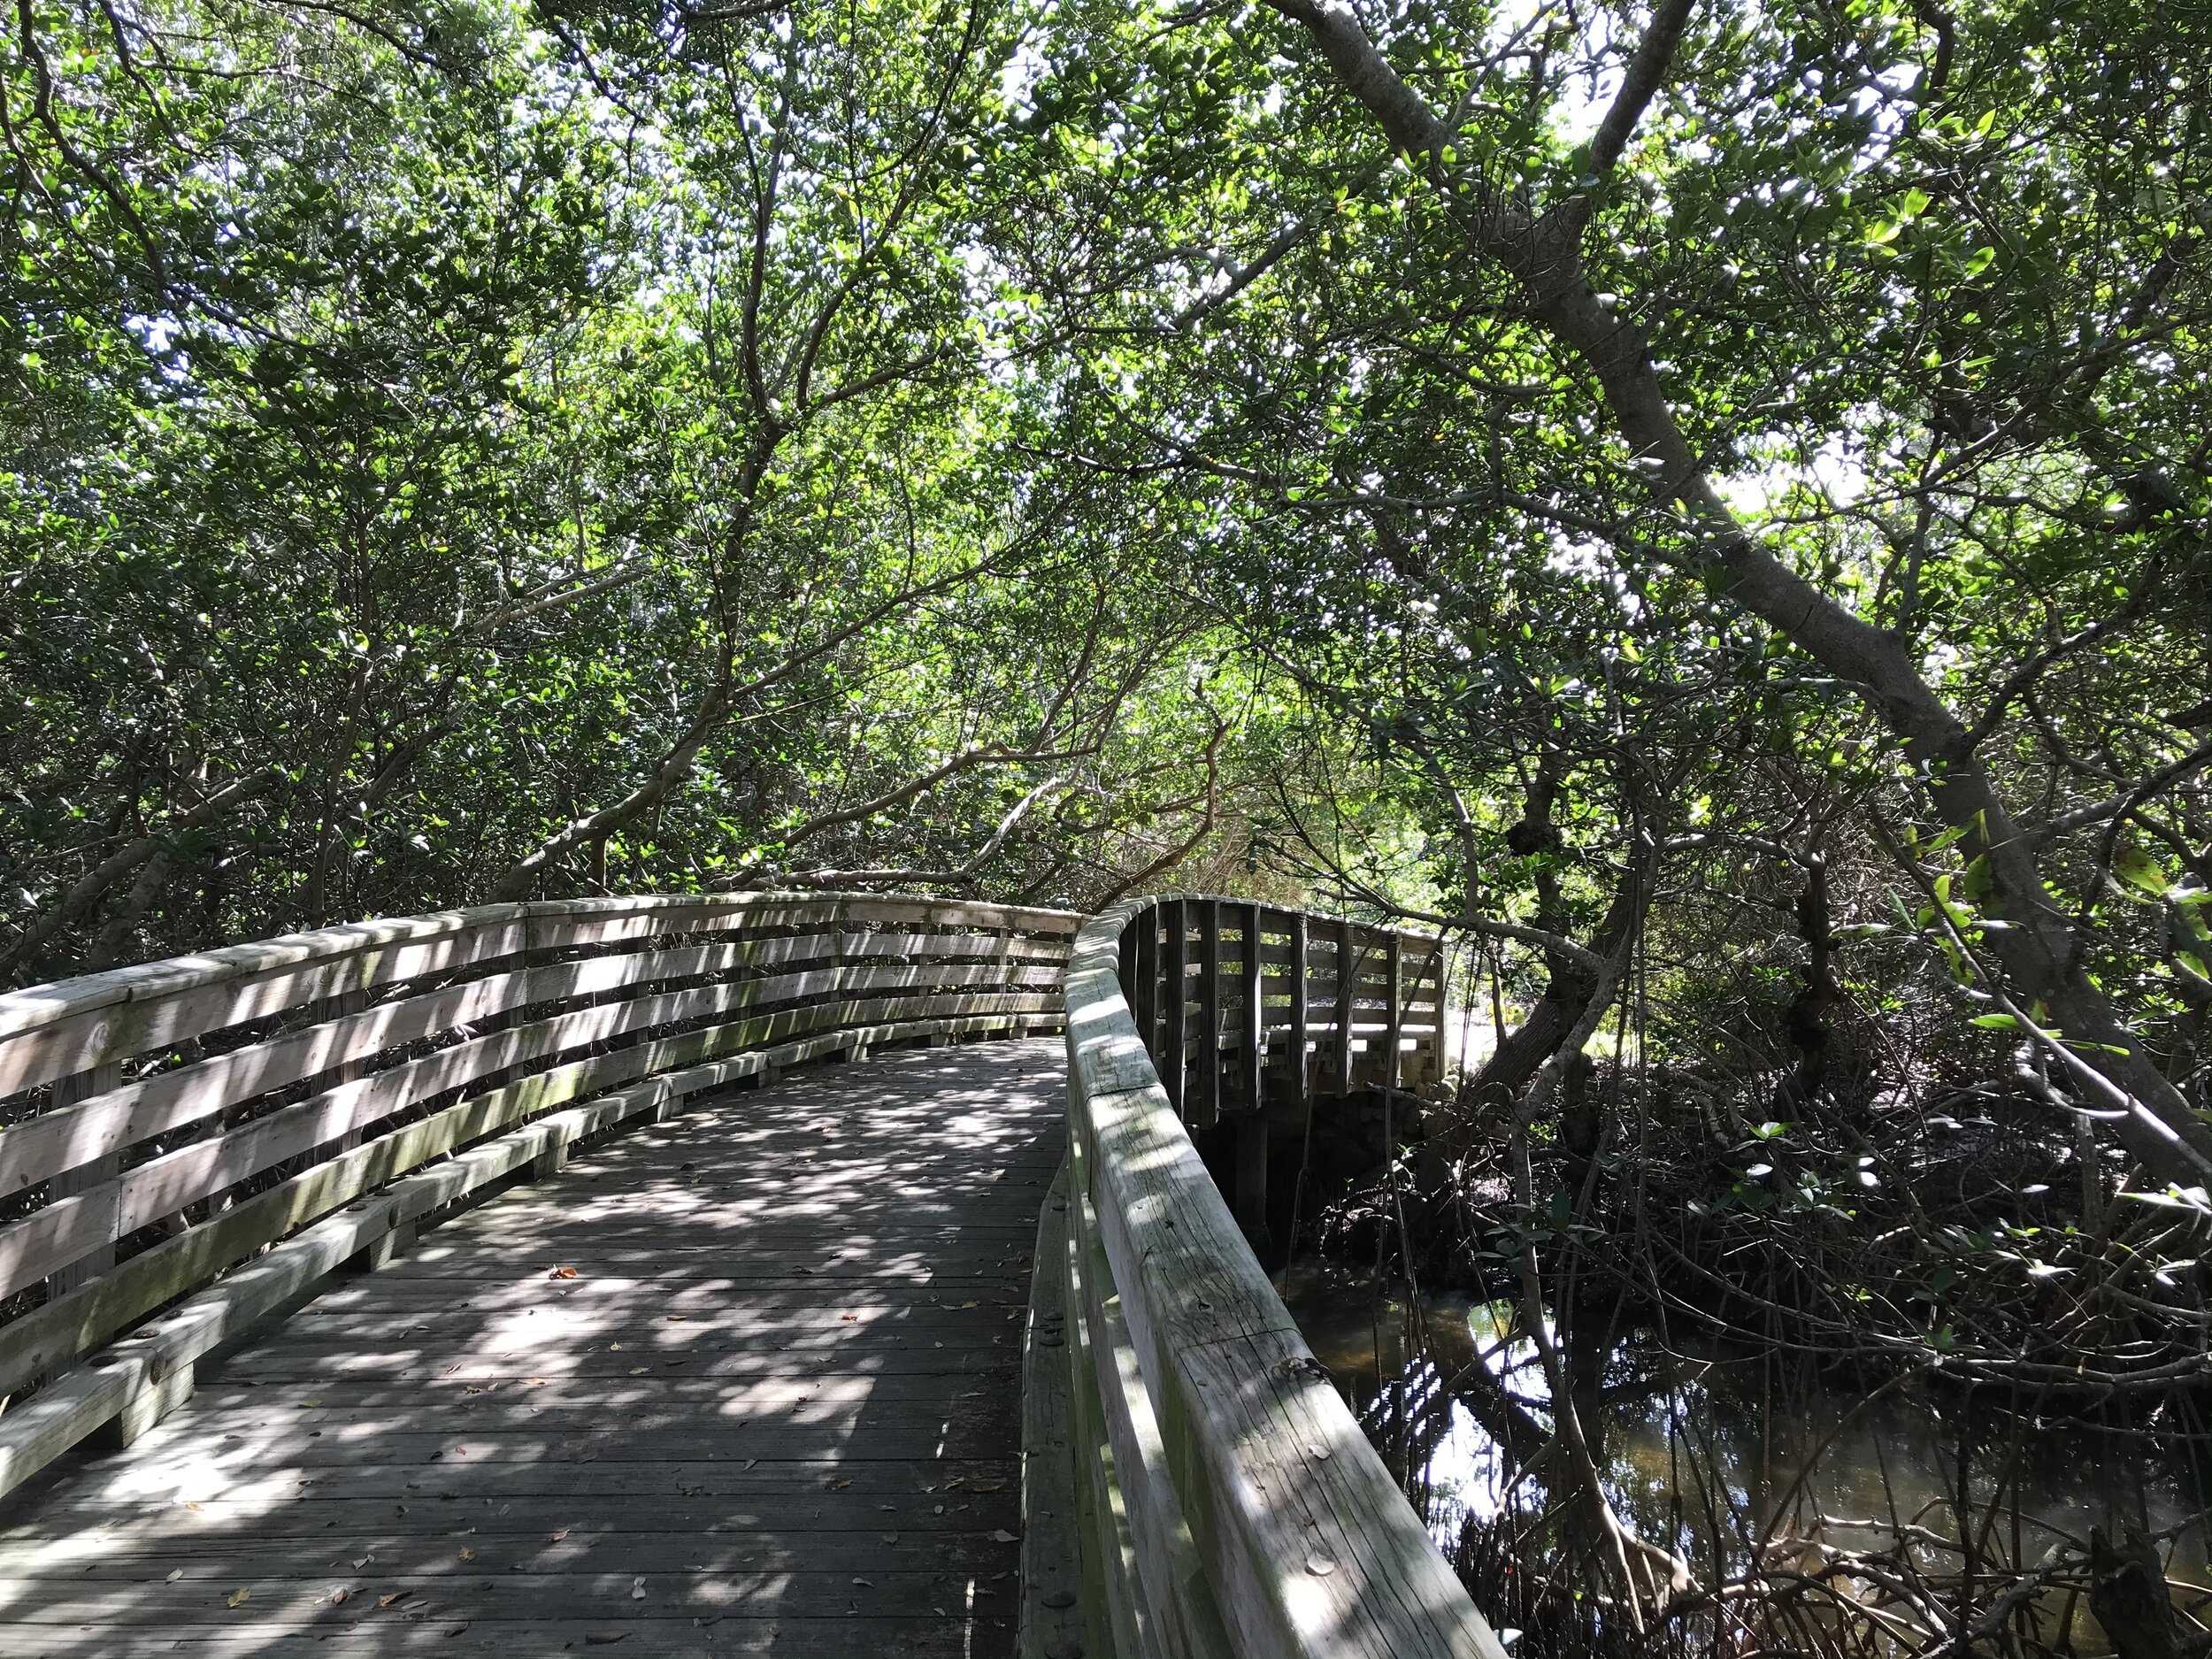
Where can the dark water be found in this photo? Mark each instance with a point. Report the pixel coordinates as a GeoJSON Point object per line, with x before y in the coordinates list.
{"type": "Point", "coordinates": [1694, 1448]}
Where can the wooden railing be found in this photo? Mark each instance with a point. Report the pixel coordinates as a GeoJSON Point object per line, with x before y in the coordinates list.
{"type": "Point", "coordinates": [162, 1126]}
{"type": "Point", "coordinates": [1320, 1005]}
{"type": "Point", "coordinates": [1276, 1007]}
{"type": "Point", "coordinates": [1230, 1506]}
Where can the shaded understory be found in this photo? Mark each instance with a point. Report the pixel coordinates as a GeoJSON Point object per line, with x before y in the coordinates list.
{"type": "Point", "coordinates": [1900, 1375]}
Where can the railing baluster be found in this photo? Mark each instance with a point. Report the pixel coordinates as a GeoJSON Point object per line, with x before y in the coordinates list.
{"type": "Point", "coordinates": [1397, 1013]}
{"type": "Point", "coordinates": [1254, 1019]}
{"type": "Point", "coordinates": [1298, 968]}
{"type": "Point", "coordinates": [1346, 970]}
{"type": "Point", "coordinates": [1209, 1010]}
{"type": "Point", "coordinates": [67, 1092]}
{"type": "Point", "coordinates": [1432, 1048]}
{"type": "Point", "coordinates": [1145, 987]}
{"type": "Point", "coordinates": [1176, 1013]}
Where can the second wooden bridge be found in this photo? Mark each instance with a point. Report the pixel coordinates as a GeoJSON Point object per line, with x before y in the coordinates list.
{"type": "Point", "coordinates": [951, 1348]}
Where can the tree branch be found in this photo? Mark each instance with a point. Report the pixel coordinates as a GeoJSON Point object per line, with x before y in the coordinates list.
{"type": "Point", "coordinates": [128, 858]}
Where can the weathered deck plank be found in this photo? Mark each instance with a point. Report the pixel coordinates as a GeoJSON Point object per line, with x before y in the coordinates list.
{"type": "Point", "coordinates": [777, 1410]}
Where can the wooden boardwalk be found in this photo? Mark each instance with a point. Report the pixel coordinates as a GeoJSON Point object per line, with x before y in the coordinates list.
{"type": "Point", "coordinates": [776, 1408]}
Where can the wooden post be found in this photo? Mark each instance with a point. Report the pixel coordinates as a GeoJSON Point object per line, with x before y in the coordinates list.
{"type": "Point", "coordinates": [1254, 1019]}
{"type": "Point", "coordinates": [67, 1092]}
{"type": "Point", "coordinates": [1346, 970]}
{"type": "Point", "coordinates": [1431, 1069]}
{"type": "Point", "coordinates": [384, 1249]}
{"type": "Point", "coordinates": [1145, 994]}
{"type": "Point", "coordinates": [1209, 1011]}
{"type": "Point", "coordinates": [1251, 1195]}
{"type": "Point", "coordinates": [1175, 1008]}
{"type": "Point", "coordinates": [1397, 1012]}
{"type": "Point", "coordinates": [332, 1008]}
{"type": "Point", "coordinates": [146, 1406]}
{"type": "Point", "coordinates": [1298, 969]}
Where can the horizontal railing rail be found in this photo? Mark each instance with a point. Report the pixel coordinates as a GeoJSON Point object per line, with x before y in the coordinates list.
{"type": "Point", "coordinates": [1230, 1504]}
{"type": "Point", "coordinates": [163, 1125]}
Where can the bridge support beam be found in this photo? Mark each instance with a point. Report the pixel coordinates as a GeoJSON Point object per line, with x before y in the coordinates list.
{"type": "Point", "coordinates": [1251, 1193]}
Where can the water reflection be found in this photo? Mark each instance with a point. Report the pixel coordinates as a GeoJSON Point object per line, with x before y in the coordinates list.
{"type": "Point", "coordinates": [1707, 1453]}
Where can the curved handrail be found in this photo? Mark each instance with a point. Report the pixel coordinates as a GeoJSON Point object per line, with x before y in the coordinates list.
{"type": "Point", "coordinates": [98, 1016]}
{"type": "Point", "coordinates": [1238, 1505]}
{"type": "Point", "coordinates": [162, 1125]}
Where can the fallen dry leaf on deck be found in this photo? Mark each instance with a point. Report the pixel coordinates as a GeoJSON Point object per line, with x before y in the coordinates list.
{"type": "Point", "coordinates": [637, 1588]}
{"type": "Point", "coordinates": [338, 1596]}
{"type": "Point", "coordinates": [238, 1597]}
{"type": "Point", "coordinates": [555, 1538]}
{"type": "Point", "coordinates": [562, 1272]}
{"type": "Point", "coordinates": [175, 1573]}
{"type": "Point", "coordinates": [467, 1553]}
{"type": "Point", "coordinates": [396, 1596]}
{"type": "Point", "coordinates": [837, 1486]}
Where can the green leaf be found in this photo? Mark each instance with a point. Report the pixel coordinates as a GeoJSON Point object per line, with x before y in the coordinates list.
{"type": "Point", "coordinates": [2139, 870]}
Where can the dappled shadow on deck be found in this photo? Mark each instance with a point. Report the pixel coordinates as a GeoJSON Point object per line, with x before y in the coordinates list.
{"type": "Point", "coordinates": [775, 1410]}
